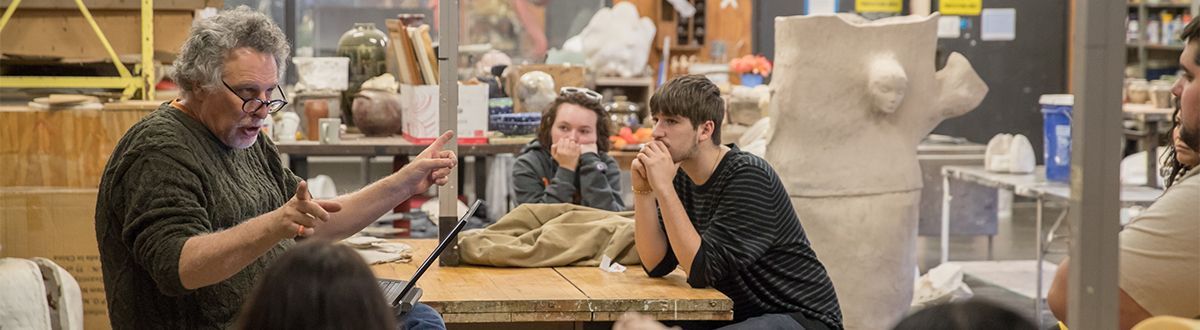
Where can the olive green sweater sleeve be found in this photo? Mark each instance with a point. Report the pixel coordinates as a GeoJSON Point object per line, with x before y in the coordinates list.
{"type": "Point", "coordinates": [164, 208]}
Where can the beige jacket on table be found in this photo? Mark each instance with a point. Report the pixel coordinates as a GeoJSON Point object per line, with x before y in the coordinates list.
{"type": "Point", "coordinates": [549, 235]}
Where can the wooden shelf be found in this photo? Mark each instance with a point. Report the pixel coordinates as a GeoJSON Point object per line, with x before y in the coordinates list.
{"type": "Point", "coordinates": [1158, 47]}
{"type": "Point", "coordinates": [630, 82]}
{"type": "Point", "coordinates": [1164, 5]}
{"type": "Point", "coordinates": [686, 48]}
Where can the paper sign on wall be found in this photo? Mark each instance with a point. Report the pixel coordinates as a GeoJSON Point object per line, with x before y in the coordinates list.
{"type": "Point", "coordinates": [998, 24]}
{"type": "Point", "coordinates": [948, 27]}
{"type": "Point", "coordinates": [878, 6]}
{"type": "Point", "coordinates": [817, 7]}
{"type": "Point", "coordinates": [960, 7]}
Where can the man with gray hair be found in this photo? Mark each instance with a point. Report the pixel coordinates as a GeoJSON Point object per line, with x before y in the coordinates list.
{"type": "Point", "coordinates": [195, 203]}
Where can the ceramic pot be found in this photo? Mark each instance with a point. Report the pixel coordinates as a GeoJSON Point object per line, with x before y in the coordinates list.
{"type": "Point", "coordinates": [314, 110]}
{"type": "Point", "coordinates": [366, 46]}
{"type": "Point", "coordinates": [622, 113]}
{"type": "Point", "coordinates": [1139, 92]}
{"type": "Point", "coordinates": [377, 113]}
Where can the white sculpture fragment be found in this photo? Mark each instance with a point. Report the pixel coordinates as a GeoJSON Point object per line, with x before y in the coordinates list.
{"type": "Point", "coordinates": [857, 97]}
{"type": "Point", "coordinates": [616, 42]}
{"type": "Point", "coordinates": [1007, 153]}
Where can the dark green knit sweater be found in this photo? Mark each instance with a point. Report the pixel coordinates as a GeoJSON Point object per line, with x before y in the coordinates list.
{"type": "Point", "coordinates": [170, 179]}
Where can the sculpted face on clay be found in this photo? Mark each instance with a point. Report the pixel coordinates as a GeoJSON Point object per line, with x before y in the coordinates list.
{"type": "Point", "coordinates": [887, 83]}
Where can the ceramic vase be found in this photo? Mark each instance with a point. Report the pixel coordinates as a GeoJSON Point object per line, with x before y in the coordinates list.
{"type": "Point", "coordinates": [377, 113]}
{"type": "Point", "coordinates": [366, 46]}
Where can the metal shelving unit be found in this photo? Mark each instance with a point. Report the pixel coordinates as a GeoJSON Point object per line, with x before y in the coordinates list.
{"type": "Point", "coordinates": [1142, 46]}
{"type": "Point", "coordinates": [125, 80]}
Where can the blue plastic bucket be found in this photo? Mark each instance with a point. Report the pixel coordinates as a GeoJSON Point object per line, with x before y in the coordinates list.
{"type": "Point", "coordinates": [751, 80]}
{"type": "Point", "coordinates": [1056, 125]}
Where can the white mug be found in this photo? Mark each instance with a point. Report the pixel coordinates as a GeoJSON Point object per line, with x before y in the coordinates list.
{"type": "Point", "coordinates": [289, 122]}
{"type": "Point", "coordinates": [331, 129]}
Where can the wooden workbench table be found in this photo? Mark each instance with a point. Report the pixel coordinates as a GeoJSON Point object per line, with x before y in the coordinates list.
{"type": "Point", "coordinates": [475, 294]}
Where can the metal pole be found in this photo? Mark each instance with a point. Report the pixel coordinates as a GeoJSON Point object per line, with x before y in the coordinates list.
{"type": "Point", "coordinates": [148, 74]}
{"type": "Point", "coordinates": [1037, 296]}
{"type": "Point", "coordinates": [448, 119]}
{"type": "Point", "coordinates": [1099, 54]}
{"type": "Point", "coordinates": [946, 199]}
{"type": "Point", "coordinates": [289, 30]}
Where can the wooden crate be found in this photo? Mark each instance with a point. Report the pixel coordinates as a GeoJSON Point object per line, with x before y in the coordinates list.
{"type": "Point", "coordinates": [56, 224]}
{"type": "Point", "coordinates": [564, 76]}
{"type": "Point", "coordinates": [66, 148]}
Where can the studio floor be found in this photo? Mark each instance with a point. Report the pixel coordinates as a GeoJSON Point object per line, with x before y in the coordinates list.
{"type": "Point", "coordinates": [1015, 241]}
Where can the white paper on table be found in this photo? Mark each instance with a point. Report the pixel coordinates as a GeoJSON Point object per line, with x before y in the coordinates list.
{"type": "Point", "coordinates": [361, 242]}
{"type": "Point", "coordinates": [607, 264]}
{"type": "Point", "coordinates": [949, 27]}
{"type": "Point", "coordinates": [998, 24]}
{"type": "Point", "coordinates": [377, 257]}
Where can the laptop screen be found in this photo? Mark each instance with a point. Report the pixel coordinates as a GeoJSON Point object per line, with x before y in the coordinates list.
{"type": "Point", "coordinates": [437, 252]}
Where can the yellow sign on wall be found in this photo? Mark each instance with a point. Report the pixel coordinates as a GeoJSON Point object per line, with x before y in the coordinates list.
{"type": "Point", "coordinates": [878, 6]}
{"type": "Point", "coordinates": [960, 7]}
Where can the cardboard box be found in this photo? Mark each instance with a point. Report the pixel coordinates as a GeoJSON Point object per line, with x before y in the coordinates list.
{"type": "Point", "coordinates": [420, 115]}
{"type": "Point", "coordinates": [62, 148]}
{"type": "Point", "coordinates": [65, 34]}
{"type": "Point", "coordinates": [57, 224]}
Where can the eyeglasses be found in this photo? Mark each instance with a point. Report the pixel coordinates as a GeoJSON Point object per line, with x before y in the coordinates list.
{"type": "Point", "coordinates": [591, 94]}
{"type": "Point", "coordinates": [251, 105]}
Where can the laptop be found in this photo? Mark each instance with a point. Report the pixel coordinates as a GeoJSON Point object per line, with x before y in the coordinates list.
{"type": "Point", "coordinates": [403, 295]}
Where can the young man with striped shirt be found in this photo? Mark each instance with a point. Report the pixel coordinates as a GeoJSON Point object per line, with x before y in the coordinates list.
{"type": "Point", "coordinates": [724, 217]}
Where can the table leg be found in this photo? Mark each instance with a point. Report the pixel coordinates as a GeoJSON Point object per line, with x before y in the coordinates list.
{"type": "Point", "coordinates": [945, 218]}
{"type": "Point", "coordinates": [991, 247]}
{"type": "Point", "coordinates": [1037, 301]}
{"type": "Point", "coordinates": [468, 181]}
{"type": "Point", "coordinates": [299, 166]}
{"type": "Point", "coordinates": [398, 162]}
{"type": "Point", "coordinates": [366, 170]}
{"type": "Point", "coordinates": [1150, 142]}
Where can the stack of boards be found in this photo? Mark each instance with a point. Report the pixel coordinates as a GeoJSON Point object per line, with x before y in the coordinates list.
{"type": "Point", "coordinates": [413, 50]}
{"type": "Point", "coordinates": [66, 102]}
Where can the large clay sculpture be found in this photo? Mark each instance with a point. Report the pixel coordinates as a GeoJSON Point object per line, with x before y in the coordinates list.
{"type": "Point", "coordinates": [857, 97]}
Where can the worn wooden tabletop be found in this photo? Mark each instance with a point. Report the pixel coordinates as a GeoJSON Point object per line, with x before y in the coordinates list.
{"type": "Point", "coordinates": [358, 145]}
{"type": "Point", "coordinates": [476, 294]}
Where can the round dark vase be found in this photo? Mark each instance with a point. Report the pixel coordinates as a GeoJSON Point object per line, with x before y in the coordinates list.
{"type": "Point", "coordinates": [366, 46]}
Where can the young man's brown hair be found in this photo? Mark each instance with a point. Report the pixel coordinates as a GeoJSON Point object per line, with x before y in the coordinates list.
{"type": "Point", "coordinates": [693, 97]}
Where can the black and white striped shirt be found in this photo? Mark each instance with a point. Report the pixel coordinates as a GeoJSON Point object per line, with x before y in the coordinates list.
{"type": "Point", "coordinates": [752, 247]}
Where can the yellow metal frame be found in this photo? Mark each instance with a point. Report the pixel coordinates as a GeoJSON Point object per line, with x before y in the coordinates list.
{"type": "Point", "coordinates": [126, 81]}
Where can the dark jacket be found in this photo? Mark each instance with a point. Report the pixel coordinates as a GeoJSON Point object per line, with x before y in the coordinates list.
{"type": "Point", "coordinates": [595, 183]}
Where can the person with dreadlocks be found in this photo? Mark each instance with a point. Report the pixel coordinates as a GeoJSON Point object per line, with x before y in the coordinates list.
{"type": "Point", "coordinates": [1159, 271]}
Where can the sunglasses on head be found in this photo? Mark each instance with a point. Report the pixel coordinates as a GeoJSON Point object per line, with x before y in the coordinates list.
{"type": "Point", "coordinates": [591, 94]}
